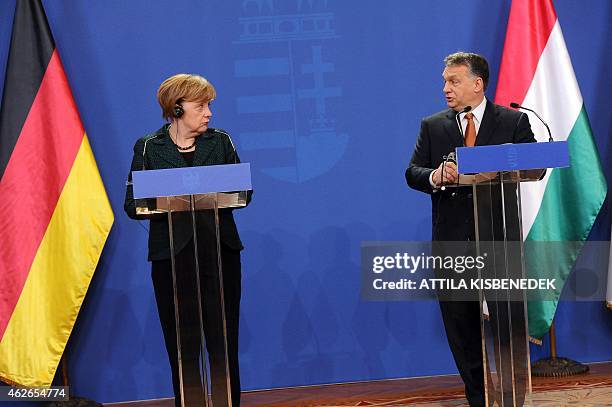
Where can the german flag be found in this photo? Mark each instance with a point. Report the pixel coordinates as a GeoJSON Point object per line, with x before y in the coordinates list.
{"type": "Point", "coordinates": [54, 212]}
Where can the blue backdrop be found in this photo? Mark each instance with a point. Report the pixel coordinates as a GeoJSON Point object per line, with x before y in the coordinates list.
{"type": "Point", "coordinates": [324, 98]}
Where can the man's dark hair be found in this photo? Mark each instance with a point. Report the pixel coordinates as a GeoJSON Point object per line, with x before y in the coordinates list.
{"type": "Point", "coordinates": [477, 64]}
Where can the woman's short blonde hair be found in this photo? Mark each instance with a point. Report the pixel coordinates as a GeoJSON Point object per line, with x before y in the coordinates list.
{"type": "Point", "coordinates": [183, 87]}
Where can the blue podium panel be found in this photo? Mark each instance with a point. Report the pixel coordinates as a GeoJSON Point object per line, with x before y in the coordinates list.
{"type": "Point", "coordinates": [510, 157]}
{"type": "Point", "coordinates": [191, 180]}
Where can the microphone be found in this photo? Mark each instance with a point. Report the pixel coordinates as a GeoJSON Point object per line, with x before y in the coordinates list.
{"type": "Point", "coordinates": [451, 157]}
{"type": "Point", "coordinates": [515, 105]}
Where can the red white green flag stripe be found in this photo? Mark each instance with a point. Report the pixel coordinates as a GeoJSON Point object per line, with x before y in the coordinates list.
{"type": "Point", "coordinates": [536, 71]}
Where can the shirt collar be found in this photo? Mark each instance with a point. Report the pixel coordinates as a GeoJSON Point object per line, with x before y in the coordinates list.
{"type": "Point", "coordinates": [478, 111]}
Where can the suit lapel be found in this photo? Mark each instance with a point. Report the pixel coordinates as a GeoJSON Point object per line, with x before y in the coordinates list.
{"type": "Point", "coordinates": [452, 128]}
{"type": "Point", "coordinates": [205, 144]}
{"type": "Point", "coordinates": [488, 125]}
{"type": "Point", "coordinates": [167, 151]}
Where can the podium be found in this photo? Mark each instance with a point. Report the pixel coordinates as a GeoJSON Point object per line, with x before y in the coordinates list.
{"type": "Point", "coordinates": [191, 198]}
{"type": "Point", "coordinates": [495, 174]}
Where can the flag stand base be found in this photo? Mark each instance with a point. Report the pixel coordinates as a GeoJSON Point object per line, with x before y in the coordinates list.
{"type": "Point", "coordinates": [557, 367]}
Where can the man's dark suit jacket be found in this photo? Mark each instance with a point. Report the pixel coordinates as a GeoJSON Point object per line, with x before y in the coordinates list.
{"type": "Point", "coordinates": [453, 215]}
{"type": "Point", "coordinates": [212, 148]}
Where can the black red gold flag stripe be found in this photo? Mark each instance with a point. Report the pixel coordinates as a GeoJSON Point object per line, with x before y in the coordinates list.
{"type": "Point", "coordinates": [54, 212]}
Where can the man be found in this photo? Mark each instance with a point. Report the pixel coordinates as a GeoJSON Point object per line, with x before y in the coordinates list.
{"type": "Point", "coordinates": [466, 77]}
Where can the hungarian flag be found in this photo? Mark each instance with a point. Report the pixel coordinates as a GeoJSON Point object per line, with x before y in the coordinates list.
{"type": "Point", "coordinates": [536, 72]}
{"type": "Point", "coordinates": [54, 212]}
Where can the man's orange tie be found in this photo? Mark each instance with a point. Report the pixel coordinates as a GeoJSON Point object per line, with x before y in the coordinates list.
{"type": "Point", "coordinates": [470, 130]}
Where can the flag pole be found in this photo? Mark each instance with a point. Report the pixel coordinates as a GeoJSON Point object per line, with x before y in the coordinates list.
{"type": "Point", "coordinates": [555, 366]}
{"type": "Point", "coordinates": [553, 341]}
{"type": "Point", "coordinates": [64, 377]}
{"type": "Point", "coordinates": [64, 368]}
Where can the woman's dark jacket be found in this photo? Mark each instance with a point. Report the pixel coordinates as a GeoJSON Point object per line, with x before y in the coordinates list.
{"type": "Point", "coordinates": [213, 147]}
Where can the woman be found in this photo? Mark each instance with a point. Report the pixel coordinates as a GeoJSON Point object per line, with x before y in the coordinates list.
{"type": "Point", "coordinates": [187, 140]}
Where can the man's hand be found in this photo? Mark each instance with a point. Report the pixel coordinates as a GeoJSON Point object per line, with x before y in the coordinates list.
{"type": "Point", "coordinates": [450, 174]}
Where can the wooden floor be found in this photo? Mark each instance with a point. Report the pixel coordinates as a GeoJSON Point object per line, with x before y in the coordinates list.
{"type": "Point", "coordinates": [591, 389]}
{"type": "Point", "coordinates": [410, 391]}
